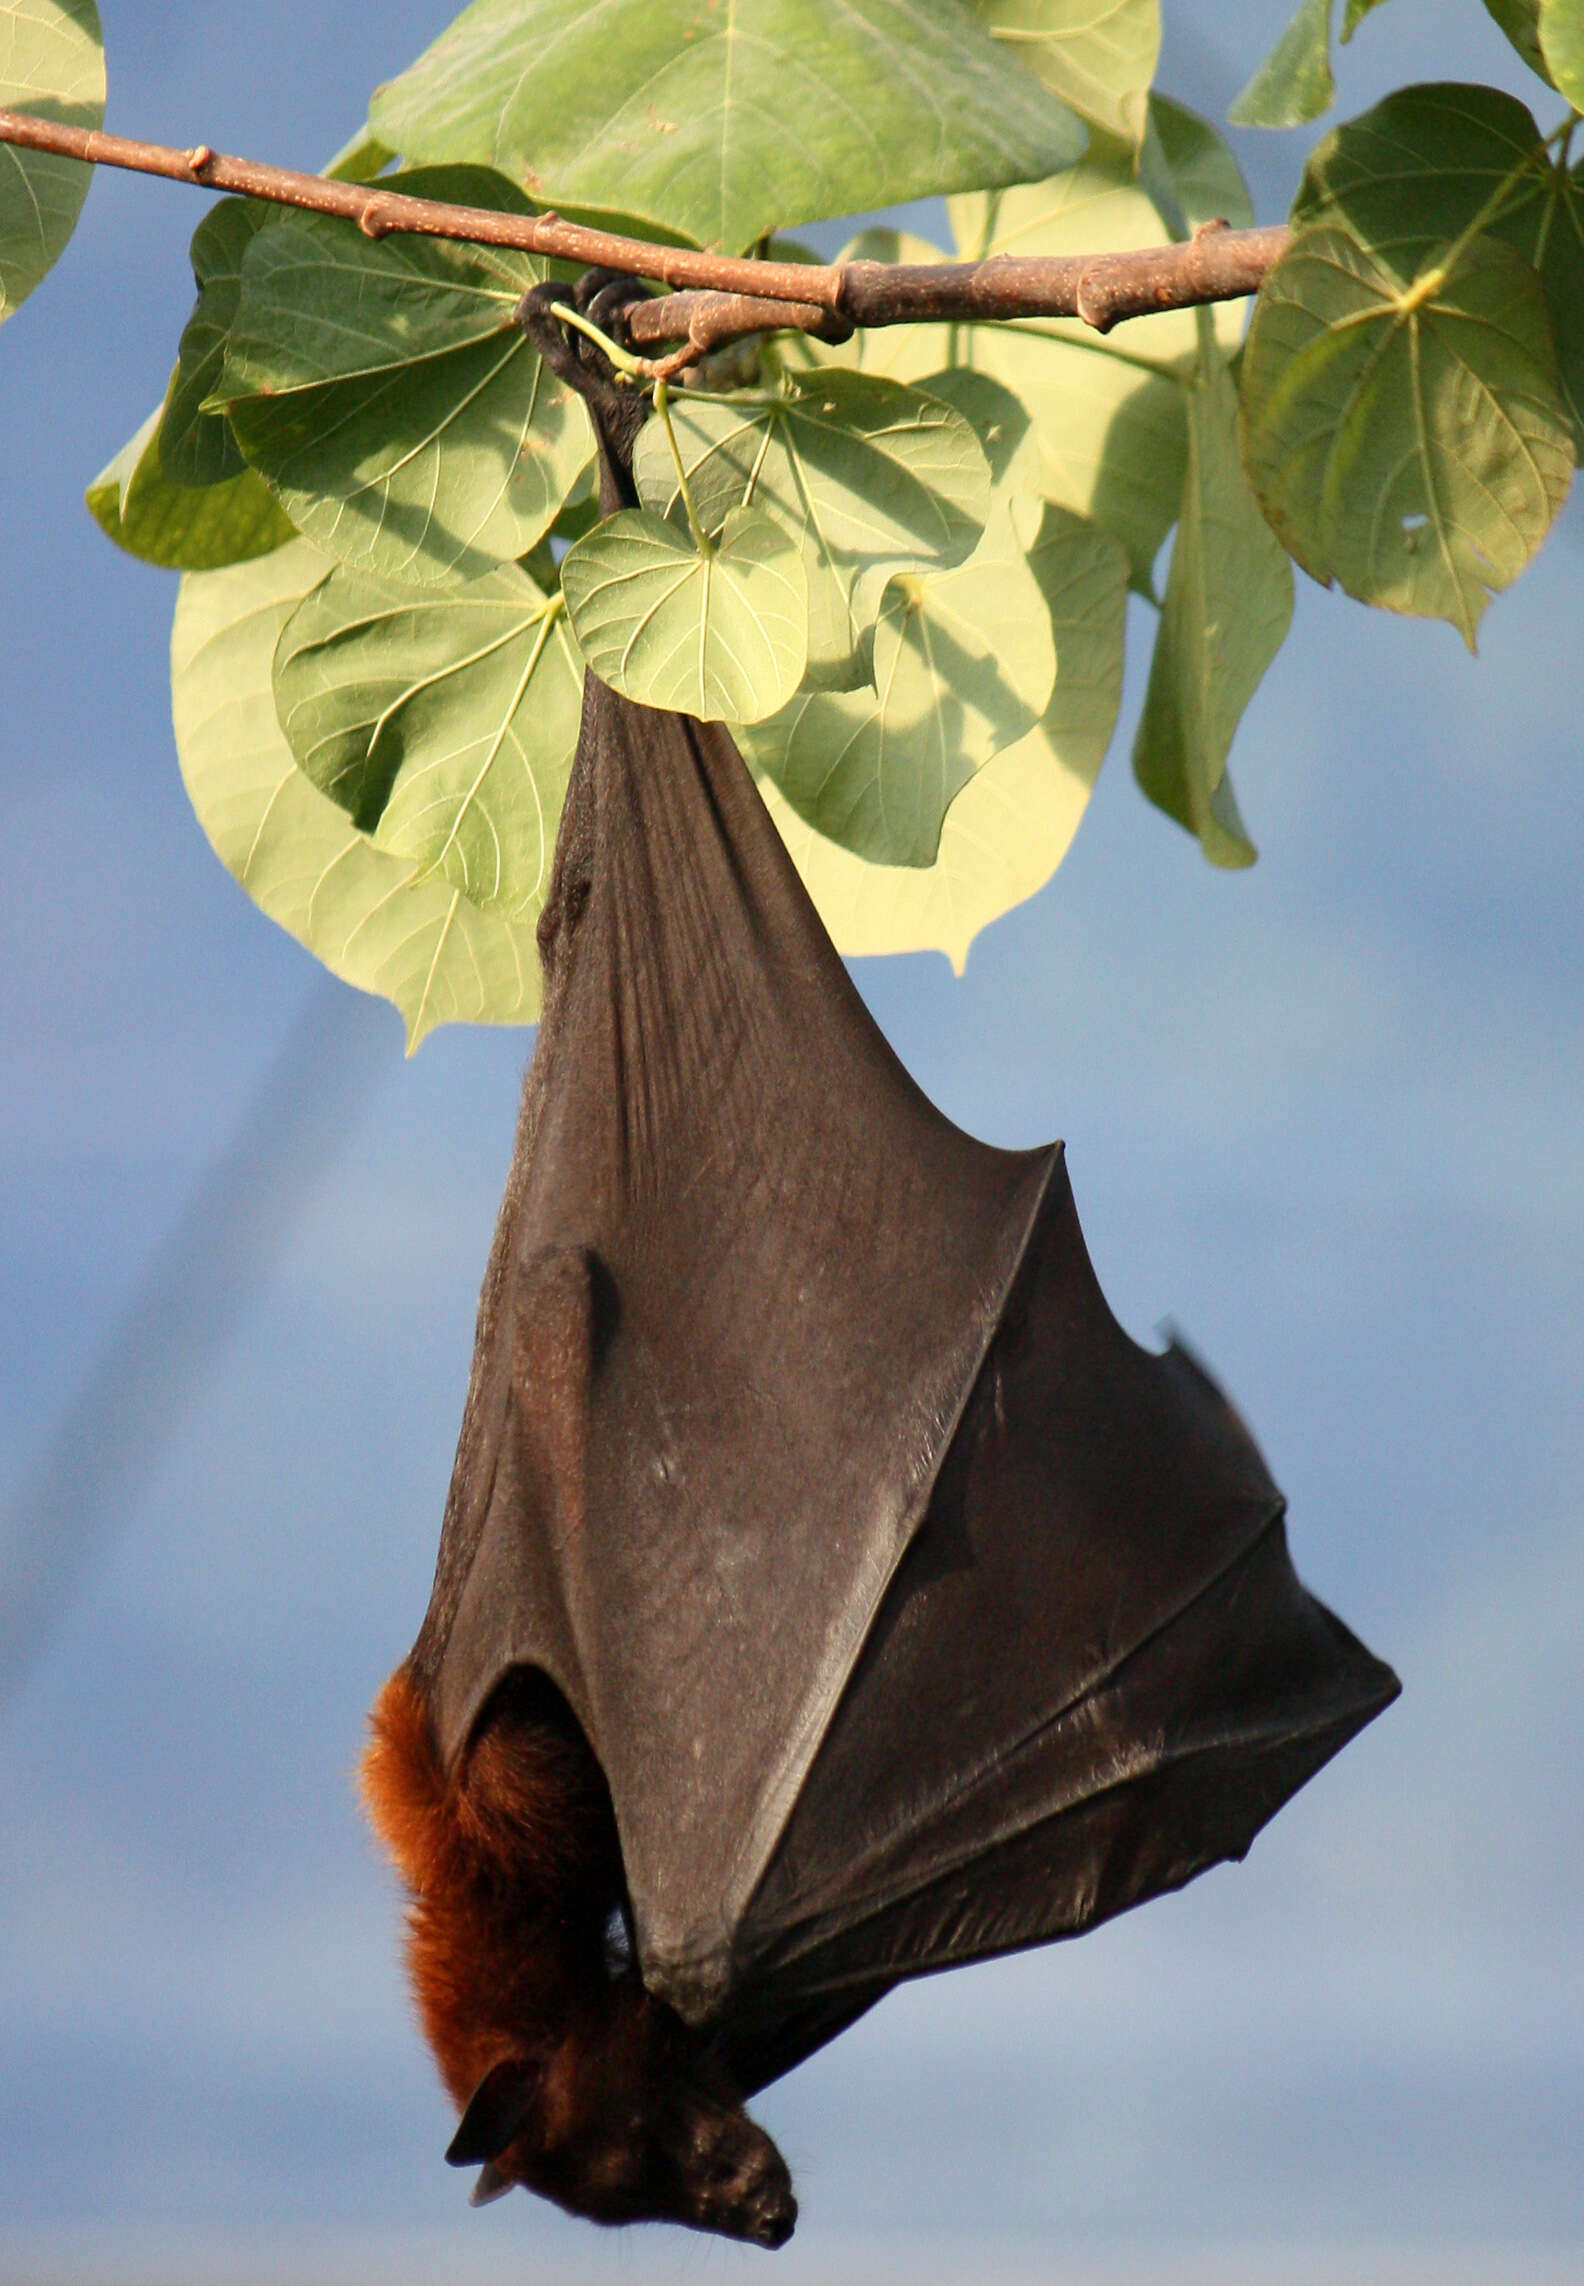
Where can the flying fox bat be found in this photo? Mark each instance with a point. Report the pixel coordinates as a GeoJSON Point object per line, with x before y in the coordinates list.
{"type": "Point", "coordinates": [829, 1590]}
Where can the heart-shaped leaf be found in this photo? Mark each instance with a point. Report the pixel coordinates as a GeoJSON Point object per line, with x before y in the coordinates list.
{"type": "Point", "coordinates": [727, 122]}
{"type": "Point", "coordinates": [1227, 610]}
{"type": "Point", "coordinates": [387, 397]}
{"type": "Point", "coordinates": [1013, 822]}
{"type": "Point", "coordinates": [51, 65]}
{"type": "Point", "coordinates": [1099, 58]}
{"type": "Point", "coordinates": [963, 665]}
{"type": "Point", "coordinates": [443, 721]}
{"type": "Point", "coordinates": [864, 475]}
{"type": "Point", "coordinates": [1409, 442]}
{"type": "Point", "coordinates": [360, 909]}
{"type": "Point", "coordinates": [135, 504]}
{"type": "Point", "coordinates": [723, 636]}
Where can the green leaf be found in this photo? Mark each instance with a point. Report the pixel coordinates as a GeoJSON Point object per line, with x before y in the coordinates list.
{"type": "Point", "coordinates": [1410, 443]}
{"type": "Point", "coordinates": [1354, 14]}
{"type": "Point", "coordinates": [1011, 825]}
{"type": "Point", "coordinates": [360, 159]}
{"type": "Point", "coordinates": [722, 636]}
{"type": "Point", "coordinates": [383, 391]}
{"type": "Point", "coordinates": [1413, 174]}
{"type": "Point", "coordinates": [52, 66]}
{"type": "Point", "coordinates": [135, 504]}
{"type": "Point", "coordinates": [865, 476]}
{"type": "Point", "coordinates": [1100, 58]}
{"type": "Point", "coordinates": [963, 665]}
{"type": "Point", "coordinates": [726, 122]}
{"type": "Point", "coordinates": [198, 447]}
{"type": "Point", "coordinates": [1201, 178]}
{"type": "Point", "coordinates": [1110, 434]}
{"type": "Point", "coordinates": [1520, 20]}
{"type": "Point", "coordinates": [1294, 82]}
{"type": "Point", "coordinates": [359, 909]}
{"type": "Point", "coordinates": [1562, 46]}
{"type": "Point", "coordinates": [444, 722]}
{"type": "Point", "coordinates": [1227, 610]}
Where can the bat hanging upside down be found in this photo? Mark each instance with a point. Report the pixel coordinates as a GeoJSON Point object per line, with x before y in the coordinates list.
{"type": "Point", "coordinates": [829, 1591]}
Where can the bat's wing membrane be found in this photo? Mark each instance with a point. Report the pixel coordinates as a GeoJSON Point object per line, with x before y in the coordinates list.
{"type": "Point", "coordinates": [1094, 1674]}
{"type": "Point", "coordinates": [753, 1275]}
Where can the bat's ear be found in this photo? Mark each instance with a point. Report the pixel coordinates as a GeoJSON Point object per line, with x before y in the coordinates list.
{"type": "Point", "coordinates": [499, 2108]}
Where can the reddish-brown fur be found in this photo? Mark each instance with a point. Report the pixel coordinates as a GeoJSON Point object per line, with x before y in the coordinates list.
{"type": "Point", "coordinates": [514, 1870]}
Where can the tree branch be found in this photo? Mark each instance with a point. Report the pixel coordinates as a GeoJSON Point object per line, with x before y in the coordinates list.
{"type": "Point", "coordinates": [722, 296]}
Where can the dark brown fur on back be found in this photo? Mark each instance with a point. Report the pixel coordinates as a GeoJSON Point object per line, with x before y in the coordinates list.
{"type": "Point", "coordinates": [544, 2036]}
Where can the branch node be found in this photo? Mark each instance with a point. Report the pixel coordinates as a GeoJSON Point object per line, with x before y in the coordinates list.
{"type": "Point", "coordinates": [374, 221]}
{"type": "Point", "coordinates": [1209, 229]}
{"type": "Point", "coordinates": [199, 161]}
{"type": "Point", "coordinates": [1094, 302]}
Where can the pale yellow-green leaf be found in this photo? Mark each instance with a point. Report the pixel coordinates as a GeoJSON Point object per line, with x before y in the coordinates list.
{"type": "Point", "coordinates": [866, 476]}
{"type": "Point", "coordinates": [1562, 46]}
{"type": "Point", "coordinates": [1097, 55]}
{"type": "Point", "coordinates": [722, 636]}
{"type": "Point", "coordinates": [963, 665]}
{"type": "Point", "coordinates": [1012, 824]}
{"type": "Point", "coordinates": [357, 908]}
{"type": "Point", "coordinates": [442, 720]}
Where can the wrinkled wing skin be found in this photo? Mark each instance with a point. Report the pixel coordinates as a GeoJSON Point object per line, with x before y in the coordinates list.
{"type": "Point", "coordinates": [1095, 1673]}
{"type": "Point", "coordinates": [747, 1280]}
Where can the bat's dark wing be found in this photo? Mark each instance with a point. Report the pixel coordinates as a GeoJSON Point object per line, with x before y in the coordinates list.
{"type": "Point", "coordinates": [755, 1314]}
{"type": "Point", "coordinates": [746, 1279]}
{"type": "Point", "coordinates": [1095, 1673]}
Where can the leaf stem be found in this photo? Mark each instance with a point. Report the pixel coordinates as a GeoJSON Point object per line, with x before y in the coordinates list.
{"type": "Point", "coordinates": [626, 365]}
{"type": "Point", "coordinates": [701, 539]}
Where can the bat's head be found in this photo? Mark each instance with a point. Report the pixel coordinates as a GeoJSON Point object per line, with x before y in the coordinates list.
{"type": "Point", "coordinates": [637, 2129]}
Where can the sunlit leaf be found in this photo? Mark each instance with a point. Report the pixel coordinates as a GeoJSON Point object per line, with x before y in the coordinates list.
{"type": "Point", "coordinates": [1227, 610]}
{"type": "Point", "coordinates": [135, 504]}
{"type": "Point", "coordinates": [1562, 46]}
{"type": "Point", "coordinates": [1097, 55]}
{"type": "Point", "coordinates": [1354, 14]}
{"type": "Point", "coordinates": [866, 476]}
{"type": "Point", "coordinates": [722, 636]}
{"type": "Point", "coordinates": [1294, 82]}
{"type": "Point", "coordinates": [443, 721]}
{"type": "Point", "coordinates": [385, 394]}
{"type": "Point", "coordinates": [1422, 167]}
{"type": "Point", "coordinates": [1012, 824]}
{"type": "Point", "coordinates": [963, 665]}
{"type": "Point", "coordinates": [727, 122]}
{"type": "Point", "coordinates": [1410, 443]}
{"type": "Point", "coordinates": [51, 65]}
{"type": "Point", "coordinates": [1416, 170]}
{"type": "Point", "coordinates": [300, 858]}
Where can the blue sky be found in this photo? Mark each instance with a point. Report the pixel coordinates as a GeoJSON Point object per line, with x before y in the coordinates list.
{"type": "Point", "coordinates": [1326, 1116]}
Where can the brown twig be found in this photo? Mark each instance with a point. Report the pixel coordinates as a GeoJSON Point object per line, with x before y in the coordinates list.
{"type": "Point", "coordinates": [722, 296]}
